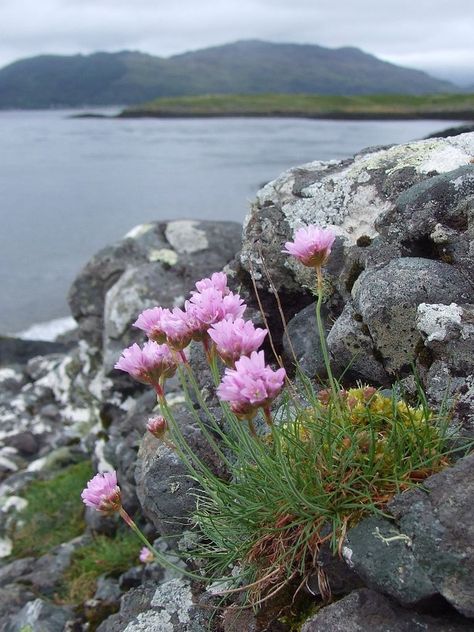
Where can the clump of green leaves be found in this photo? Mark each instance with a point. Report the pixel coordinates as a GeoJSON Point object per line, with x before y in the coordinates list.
{"type": "Point", "coordinates": [329, 460]}
{"type": "Point", "coordinates": [104, 555]}
{"type": "Point", "coordinates": [54, 513]}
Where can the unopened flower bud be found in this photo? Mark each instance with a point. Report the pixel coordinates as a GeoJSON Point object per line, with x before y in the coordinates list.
{"type": "Point", "coordinates": [157, 426]}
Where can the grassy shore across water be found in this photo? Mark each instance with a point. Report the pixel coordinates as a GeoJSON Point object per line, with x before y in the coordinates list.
{"type": "Point", "coordinates": [437, 106]}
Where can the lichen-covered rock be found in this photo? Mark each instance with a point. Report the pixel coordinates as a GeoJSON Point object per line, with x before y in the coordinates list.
{"type": "Point", "coordinates": [438, 520]}
{"type": "Point", "coordinates": [448, 335]}
{"type": "Point", "coordinates": [360, 197]}
{"type": "Point", "coordinates": [387, 297]}
{"type": "Point", "coordinates": [169, 607]}
{"type": "Point", "coordinates": [367, 611]}
{"type": "Point", "coordinates": [171, 255]}
{"type": "Point", "coordinates": [382, 556]}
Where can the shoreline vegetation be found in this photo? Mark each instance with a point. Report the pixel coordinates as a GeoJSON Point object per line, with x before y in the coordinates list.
{"type": "Point", "coordinates": [370, 107]}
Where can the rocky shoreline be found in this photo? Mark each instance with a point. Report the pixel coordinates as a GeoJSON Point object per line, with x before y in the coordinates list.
{"type": "Point", "coordinates": [401, 293]}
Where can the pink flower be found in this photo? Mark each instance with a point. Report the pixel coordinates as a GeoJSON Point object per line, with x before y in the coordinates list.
{"type": "Point", "coordinates": [157, 426]}
{"type": "Point", "coordinates": [251, 385]}
{"type": "Point", "coordinates": [177, 330]}
{"type": "Point", "coordinates": [146, 556]}
{"type": "Point", "coordinates": [236, 338]}
{"type": "Point", "coordinates": [149, 364]}
{"type": "Point", "coordinates": [218, 281]}
{"type": "Point", "coordinates": [102, 493]}
{"type": "Point", "coordinates": [151, 321]}
{"type": "Point", "coordinates": [311, 245]}
{"type": "Point", "coordinates": [210, 306]}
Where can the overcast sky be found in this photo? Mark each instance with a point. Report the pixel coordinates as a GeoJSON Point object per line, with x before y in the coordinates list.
{"type": "Point", "coordinates": [433, 35]}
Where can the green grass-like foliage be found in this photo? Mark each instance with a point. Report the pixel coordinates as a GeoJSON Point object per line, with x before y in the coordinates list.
{"type": "Point", "coordinates": [103, 555]}
{"type": "Point", "coordinates": [330, 459]}
{"type": "Point", "coordinates": [54, 514]}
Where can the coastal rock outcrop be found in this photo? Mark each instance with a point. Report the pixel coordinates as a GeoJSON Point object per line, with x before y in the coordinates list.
{"type": "Point", "coordinates": [400, 292]}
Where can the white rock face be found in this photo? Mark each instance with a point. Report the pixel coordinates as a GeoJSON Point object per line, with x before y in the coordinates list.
{"type": "Point", "coordinates": [185, 237]}
{"type": "Point", "coordinates": [435, 321]}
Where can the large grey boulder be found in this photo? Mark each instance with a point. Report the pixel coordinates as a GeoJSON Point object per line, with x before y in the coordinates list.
{"type": "Point", "coordinates": [367, 611]}
{"type": "Point", "coordinates": [172, 255]}
{"type": "Point", "coordinates": [377, 205]}
{"type": "Point", "coordinates": [437, 519]}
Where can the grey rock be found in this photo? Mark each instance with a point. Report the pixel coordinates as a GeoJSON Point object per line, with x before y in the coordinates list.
{"type": "Point", "coordinates": [430, 219]}
{"type": "Point", "coordinates": [389, 565]}
{"type": "Point", "coordinates": [39, 616]}
{"type": "Point", "coordinates": [169, 607]}
{"type": "Point", "coordinates": [164, 487]}
{"type": "Point", "coordinates": [301, 343]}
{"type": "Point", "coordinates": [25, 442]}
{"type": "Point", "coordinates": [46, 573]}
{"type": "Point", "coordinates": [175, 254]}
{"type": "Point", "coordinates": [448, 336]}
{"type": "Point", "coordinates": [15, 570]}
{"type": "Point", "coordinates": [367, 611]}
{"type": "Point", "coordinates": [355, 195]}
{"type": "Point", "coordinates": [12, 599]}
{"type": "Point", "coordinates": [452, 131]}
{"type": "Point", "coordinates": [18, 351]}
{"type": "Point", "coordinates": [387, 299]}
{"type": "Point", "coordinates": [352, 349]}
{"type": "Point", "coordinates": [438, 520]}
{"type": "Point", "coordinates": [132, 604]}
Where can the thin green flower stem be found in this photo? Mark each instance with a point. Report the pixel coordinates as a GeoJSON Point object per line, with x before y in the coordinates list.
{"type": "Point", "coordinates": [161, 559]}
{"type": "Point", "coordinates": [212, 442]}
{"type": "Point", "coordinates": [322, 337]}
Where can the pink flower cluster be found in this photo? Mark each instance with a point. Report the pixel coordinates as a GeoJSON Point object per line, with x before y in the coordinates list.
{"type": "Point", "coordinates": [211, 303]}
{"type": "Point", "coordinates": [149, 364]}
{"type": "Point", "coordinates": [237, 338]}
{"type": "Point", "coordinates": [102, 493]}
{"type": "Point", "coordinates": [312, 245]}
{"type": "Point", "coordinates": [251, 385]}
{"type": "Point", "coordinates": [213, 314]}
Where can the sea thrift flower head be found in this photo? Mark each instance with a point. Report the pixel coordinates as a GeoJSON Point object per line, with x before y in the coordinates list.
{"type": "Point", "coordinates": [236, 338]}
{"type": "Point", "coordinates": [149, 364]}
{"type": "Point", "coordinates": [177, 330]}
{"type": "Point", "coordinates": [311, 245]}
{"type": "Point", "coordinates": [211, 306]}
{"type": "Point", "coordinates": [146, 556]}
{"type": "Point", "coordinates": [151, 321]}
{"type": "Point", "coordinates": [157, 426]}
{"type": "Point", "coordinates": [251, 385]}
{"type": "Point", "coordinates": [218, 281]}
{"type": "Point", "coordinates": [103, 494]}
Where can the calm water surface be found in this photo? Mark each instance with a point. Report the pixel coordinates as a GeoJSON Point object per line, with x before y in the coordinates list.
{"type": "Point", "coordinates": [70, 186]}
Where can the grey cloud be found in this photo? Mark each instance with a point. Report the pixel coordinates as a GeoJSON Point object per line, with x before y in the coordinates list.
{"type": "Point", "coordinates": [426, 33]}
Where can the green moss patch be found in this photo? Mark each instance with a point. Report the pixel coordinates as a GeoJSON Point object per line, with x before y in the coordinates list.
{"type": "Point", "coordinates": [103, 555]}
{"type": "Point", "coordinates": [54, 514]}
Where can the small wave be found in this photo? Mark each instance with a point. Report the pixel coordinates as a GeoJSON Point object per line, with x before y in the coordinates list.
{"type": "Point", "coordinates": [48, 330]}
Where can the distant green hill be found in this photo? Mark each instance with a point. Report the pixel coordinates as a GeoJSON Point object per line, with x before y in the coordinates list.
{"type": "Point", "coordinates": [247, 67]}
{"type": "Point", "coordinates": [377, 106]}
